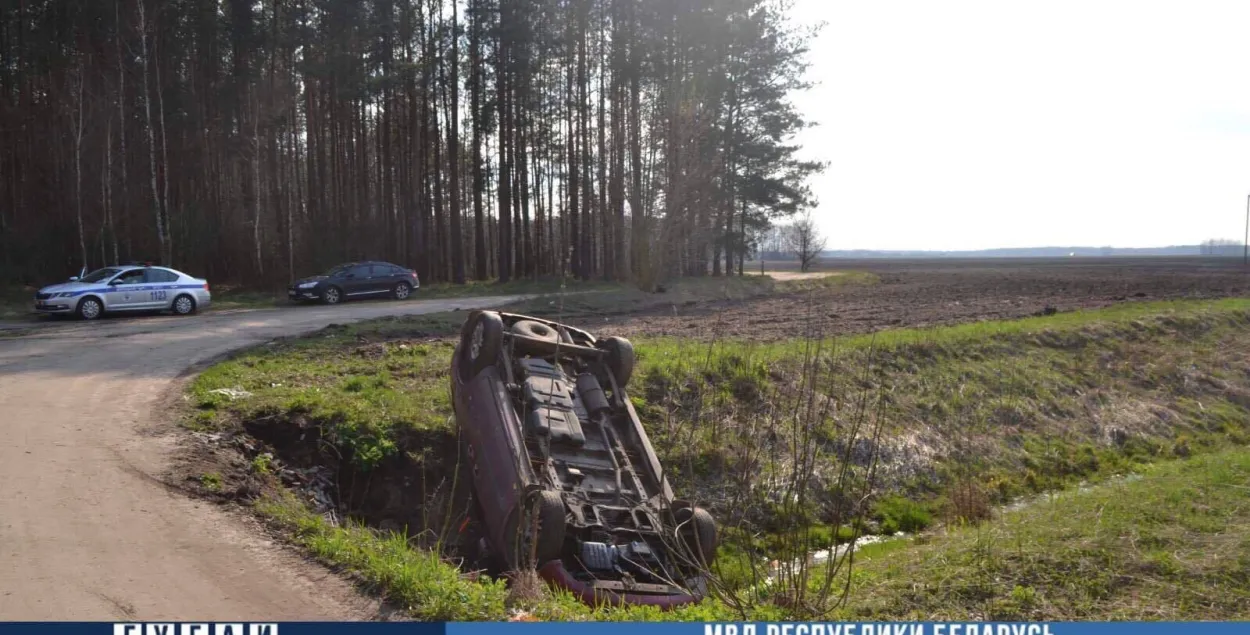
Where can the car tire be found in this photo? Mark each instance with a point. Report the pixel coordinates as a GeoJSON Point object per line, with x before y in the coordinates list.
{"type": "Point", "coordinates": [332, 295]}
{"type": "Point", "coordinates": [539, 338]}
{"type": "Point", "coordinates": [697, 530]}
{"type": "Point", "coordinates": [548, 506]}
{"type": "Point", "coordinates": [402, 291]}
{"type": "Point", "coordinates": [90, 308]}
{"type": "Point", "coordinates": [481, 343]}
{"type": "Point", "coordinates": [183, 305]}
{"type": "Point", "coordinates": [620, 359]}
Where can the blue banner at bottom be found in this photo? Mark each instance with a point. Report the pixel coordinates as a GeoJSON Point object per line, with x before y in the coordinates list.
{"type": "Point", "coordinates": [624, 628]}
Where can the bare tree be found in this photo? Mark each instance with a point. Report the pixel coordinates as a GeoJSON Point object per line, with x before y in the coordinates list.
{"type": "Point", "coordinates": [804, 240]}
{"type": "Point", "coordinates": [77, 83]}
{"type": "Point", "coordinates": [162, 234]}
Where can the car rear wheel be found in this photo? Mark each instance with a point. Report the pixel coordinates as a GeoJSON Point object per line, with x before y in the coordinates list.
{"type": "Point", "coordinates": [481, 344]}
{"type": "Point", "coordinates": [402, 290]}
{"type": "Point", "coordinates": [620, 359]}
{"type": "Point", "coordinates": [184, 305]}
{"type": "Point", "coordinates": [697, 530]}
{"type": "Point", "coordinates": [540, 536]}
{"type": "Point", "coordinates": [332, 295]}
{"type": "Point", "coordinates": [90, 308]}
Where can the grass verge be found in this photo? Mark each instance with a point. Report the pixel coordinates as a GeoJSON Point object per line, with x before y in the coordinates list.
{"type": "Point", "coordinates": [977, 415]}
{"type": "Point", "coordinates": [1172, 543]}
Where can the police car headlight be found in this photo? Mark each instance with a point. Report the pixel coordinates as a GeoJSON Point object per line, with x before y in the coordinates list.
{"type": "Point", "coordinates": [308, 285]}
{"type": "Point", "coordinates": [62, 295]}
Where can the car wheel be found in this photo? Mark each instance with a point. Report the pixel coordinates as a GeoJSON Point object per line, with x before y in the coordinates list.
{"type": "Point", "coordinates": [332, 295]}
{"type": "Point", "coordinates": [541, 536]}
{"type": "Point", "coordinates": [698, 533]}
{"type": "Point", "coordinates": [90, 308]}
{"type": "Point", "coordinates": [539, 338]}
{"type": "Point", "coordinates": [620, 359]}
{"type": "Point", "coordinates": [402, 290]}
{"type": "Point", "coordinates": [481, 343]}
{"type": "Point", "coordinates": [184, 305]}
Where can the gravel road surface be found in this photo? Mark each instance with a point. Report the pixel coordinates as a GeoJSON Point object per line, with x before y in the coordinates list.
{"type": "Point", "coordinates": [88, 531]}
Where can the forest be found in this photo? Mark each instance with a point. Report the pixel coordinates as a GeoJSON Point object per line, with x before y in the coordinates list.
{"type": "Point", "coordinates": [256, 140]}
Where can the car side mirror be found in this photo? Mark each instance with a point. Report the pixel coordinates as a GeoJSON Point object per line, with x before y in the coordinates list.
{"type": "Point", "coordinates": [73, 278]}
{"type": "Point", "coordinates": [113, 283]}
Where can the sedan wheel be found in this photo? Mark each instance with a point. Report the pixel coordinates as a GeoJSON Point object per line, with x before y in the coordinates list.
{"type": "Point", "coordinates": [332, 296]}
{"type": "Point", "coordinates": [184, 305]}
{"type": "Point", "coordinates": [402, 290]}
{"type": "Point", "coordinates": [90, 309]}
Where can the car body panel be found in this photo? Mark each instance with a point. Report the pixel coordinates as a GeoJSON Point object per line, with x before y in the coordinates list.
{"type": "Point", "coordinates": [138, 295]}
{"type": "Point", "coordinates": [493, 457]}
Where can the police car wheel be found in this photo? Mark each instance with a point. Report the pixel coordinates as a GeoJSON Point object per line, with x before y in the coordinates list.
{"type": "Point", "coordinates": [184, 305]}
{"type": "Point", "coordinates": [90, 308]}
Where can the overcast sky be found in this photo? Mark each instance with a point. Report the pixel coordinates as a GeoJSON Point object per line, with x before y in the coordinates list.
{"type": "Point", "coordinates": [969, 125]}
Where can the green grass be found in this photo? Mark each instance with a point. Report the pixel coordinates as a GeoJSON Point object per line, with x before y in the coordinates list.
{"type": "Point", "coordinates": [226, 298]}
{"type": "Point", "coordinates": [1171, 544]}
{"type": "Point", "coordinates": [430, 588]}
{"type": "Point", "coordinates": [364, 394]}
{"type": "Point", "coordinates": [525, 286]}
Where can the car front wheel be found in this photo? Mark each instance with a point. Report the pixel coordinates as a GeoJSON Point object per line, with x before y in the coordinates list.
{"type": "Point", "coordinates": [332, 295]}
{"type": "Point", "coordinates": [90, 309]}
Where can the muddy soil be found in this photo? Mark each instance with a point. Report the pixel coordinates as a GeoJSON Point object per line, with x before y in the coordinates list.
{"type": "Point", "coordinates": [925, 293]}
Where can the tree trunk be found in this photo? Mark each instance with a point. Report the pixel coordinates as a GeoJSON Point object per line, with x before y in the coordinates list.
{"type": "Point", "coordinates": [161, 235]}
{"type": "Point", "coordinates": [78, 131]}
{"type": "Point", "coordinates": [453, 151]}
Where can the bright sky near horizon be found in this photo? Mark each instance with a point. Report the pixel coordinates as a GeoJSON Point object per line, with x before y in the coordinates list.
{"type": "Point", "coordinates": [979, 124]}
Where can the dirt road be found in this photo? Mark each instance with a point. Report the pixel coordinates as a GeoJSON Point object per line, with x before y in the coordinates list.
{"type": "Point", "coordinates": [87, 532]}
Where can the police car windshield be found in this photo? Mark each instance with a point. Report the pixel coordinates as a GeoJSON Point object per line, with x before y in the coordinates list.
{"type": "Point", "coordinates": [99, 275]}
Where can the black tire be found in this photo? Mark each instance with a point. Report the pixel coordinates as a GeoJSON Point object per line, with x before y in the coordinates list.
{"type": "Point", "coordinates": [541, 338]}
{"type": "Point", "coordinates": [332, 295]}
{"type": "Point", "coordinates": [401, 291]}
{"type": "Point", "coordinates": [698, 532]}
{"type": "Point", "coordinates": [90, 308]}
{"type": "Point", "coordinates": [620, 359]}
{"type": "Point", "coordinates": [481, 343]}
{"type": "Point", "coordinates": [548, 505]}
{"type": "Point", "coordinates": [183, 308]}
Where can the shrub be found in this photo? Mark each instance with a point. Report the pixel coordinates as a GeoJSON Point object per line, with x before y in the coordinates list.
{"type": "Point", "coordinates": [896, 513]}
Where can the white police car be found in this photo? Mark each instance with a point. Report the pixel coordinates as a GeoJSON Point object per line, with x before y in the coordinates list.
{"type": "Point", "coordinates": [125, 288]}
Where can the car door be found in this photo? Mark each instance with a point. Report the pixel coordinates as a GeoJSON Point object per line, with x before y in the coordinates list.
{"type": "Point", "coordinates": [158, 285]}
{"type": "Point", "coordinates": [125, 291]}
{"type": "Point", "coordinates": [356, 281]}
{"type": "Point", "coordinates": [383, 278]}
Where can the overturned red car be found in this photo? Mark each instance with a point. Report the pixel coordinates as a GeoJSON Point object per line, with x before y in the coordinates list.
{"type": "Point", "coordinates": [565, 479]}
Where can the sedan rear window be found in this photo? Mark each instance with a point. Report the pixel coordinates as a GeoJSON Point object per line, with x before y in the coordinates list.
{"type": "Point", "coordinates": [160, 275]}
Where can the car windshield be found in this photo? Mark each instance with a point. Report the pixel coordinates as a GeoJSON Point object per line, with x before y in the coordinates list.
{"type": "Point", "coordinates": [99, 275]}
{"type": "Point", "coordinates": [337, 270]}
